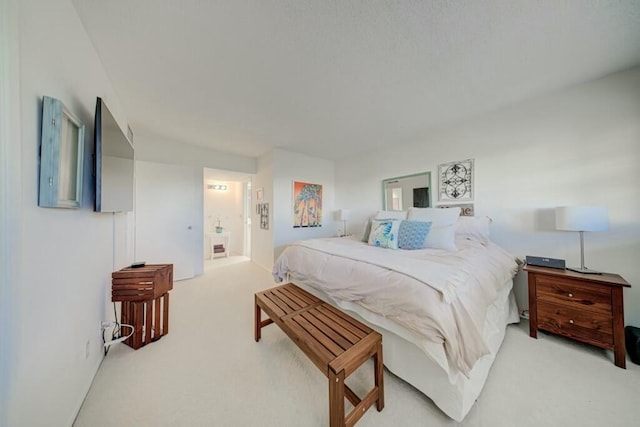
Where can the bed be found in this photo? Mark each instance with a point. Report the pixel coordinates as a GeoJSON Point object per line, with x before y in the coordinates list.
{"type": "Point", "coordinates": [442, 309]}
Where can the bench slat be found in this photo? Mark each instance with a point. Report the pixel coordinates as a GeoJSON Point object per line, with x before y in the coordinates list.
{"type": "Point", "coordinates": [330, 321]}
{"type": "Point", "coordinates": [336, 337]}
{"type": "Point", "coordinates": [291, 303]}
{"type": "Point", "coordinates": [349, 361]}
{"type": "Point", "coordinates": [363, 330]}
{"type": "Point", "coordinates": [279, 303]}
{"type": "Point", "coordinates": [304, 298]}
{"type": "Point", "coordinates": [269, 305]}
{"type": "Point", "coordinates": [318, 354]}
{"type": "Point", "coordinates": [319, 336]}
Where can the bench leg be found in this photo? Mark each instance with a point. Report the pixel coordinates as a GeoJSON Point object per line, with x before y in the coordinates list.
{"type": "Point", "coordinates": [258, 324]}
{"type": "Point", "coordinates": [336, 399]}
{"type": "Point", "coordinates": [379, 377]}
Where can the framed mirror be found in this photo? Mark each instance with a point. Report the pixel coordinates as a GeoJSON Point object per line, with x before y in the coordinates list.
{"type": "Point", "coordinates": [61, 157]}
{"type": "Point", "coordinates": [403, 192]}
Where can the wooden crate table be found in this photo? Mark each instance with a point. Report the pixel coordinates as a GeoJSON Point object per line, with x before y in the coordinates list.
{"type": "Point", "coordinates": [144, 293]}
{"type": "Point", "coordinates": [336, 343]}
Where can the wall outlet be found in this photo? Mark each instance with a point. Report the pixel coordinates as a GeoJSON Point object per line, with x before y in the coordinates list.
{"type": "Point", "coordinates": [87, 349]}
{"type": "Point", "coordinates": [105, 324]}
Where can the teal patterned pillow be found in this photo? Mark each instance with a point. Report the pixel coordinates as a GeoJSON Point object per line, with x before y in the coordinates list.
{"type": "Point", "coordinates": [412, 234]}
{"type": "Point", "coordinates": [384, 233]}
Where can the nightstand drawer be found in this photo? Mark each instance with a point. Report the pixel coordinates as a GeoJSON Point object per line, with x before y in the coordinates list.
{"type": "Point", "coordinates": [572, 294]}
{"type": "Point", "coordinates": [590, 327]}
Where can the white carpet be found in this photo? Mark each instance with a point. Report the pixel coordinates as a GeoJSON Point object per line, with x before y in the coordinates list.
{"type": "Point", "coordinates": [209, 371]}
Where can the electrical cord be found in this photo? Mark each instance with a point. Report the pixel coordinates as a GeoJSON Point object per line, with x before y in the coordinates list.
{"type": "Point", "coordinates": [116, 333]}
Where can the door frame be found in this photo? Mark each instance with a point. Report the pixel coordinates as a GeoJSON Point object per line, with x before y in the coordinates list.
{"type": "Point", "coordinates": [10, 198]}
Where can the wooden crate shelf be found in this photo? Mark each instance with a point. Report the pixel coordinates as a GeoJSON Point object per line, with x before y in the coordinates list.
{"type": "Point", "coordinates": [144, 294]}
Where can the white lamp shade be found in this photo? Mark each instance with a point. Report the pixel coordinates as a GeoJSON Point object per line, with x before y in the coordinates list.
{"type": "Point", "coordinates": [342, 214]}
{"type": "Point", "coordinates": [582, 218]}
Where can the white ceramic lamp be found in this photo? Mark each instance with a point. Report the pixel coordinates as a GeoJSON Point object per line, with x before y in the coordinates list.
{"type": "Point", "coordinates": [342, 215]}
{"type": "Point", "coordinates": [581, 219]}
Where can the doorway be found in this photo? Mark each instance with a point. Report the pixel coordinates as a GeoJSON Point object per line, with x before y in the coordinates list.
{"type": "Point", "coordinates": [226, 216]}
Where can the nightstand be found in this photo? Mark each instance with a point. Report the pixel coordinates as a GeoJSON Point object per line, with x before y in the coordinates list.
{"type": "Point", "coordinates": [583, 307]}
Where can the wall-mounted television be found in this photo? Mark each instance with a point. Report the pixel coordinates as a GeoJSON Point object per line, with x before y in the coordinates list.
{"type": "Point", "coordinates": [113, 164]}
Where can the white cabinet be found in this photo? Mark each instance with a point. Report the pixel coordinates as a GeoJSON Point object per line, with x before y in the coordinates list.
{"type": "Point", "coordinates": [219, 239]}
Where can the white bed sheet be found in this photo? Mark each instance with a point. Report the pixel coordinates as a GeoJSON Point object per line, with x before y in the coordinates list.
{"type": "Point", "coordinates": [405, 301]}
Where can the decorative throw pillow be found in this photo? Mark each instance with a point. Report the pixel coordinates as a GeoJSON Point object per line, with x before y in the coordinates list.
{"type": "Point", "coordinates": [381, 215]}
{"type": "Point", "coordinates": [412, 234]}
{"type": "Point", "coordinates": [384, 233]}
{"type": "Point", "coordinates": [442, 232]}
{"type": "Point", "coordinates": [473, 228]}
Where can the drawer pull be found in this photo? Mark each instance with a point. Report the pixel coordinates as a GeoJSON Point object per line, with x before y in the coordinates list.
{"type": "Point", "coordinates": [570, 295]}
{"type": "Point", "coordinates": [571, 321]}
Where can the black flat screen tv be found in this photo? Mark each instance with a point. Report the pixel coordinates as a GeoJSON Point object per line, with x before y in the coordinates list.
{"type": "Point", "coordinates": [113, 164]}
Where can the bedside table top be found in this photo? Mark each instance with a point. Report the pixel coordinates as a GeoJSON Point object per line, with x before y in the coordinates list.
{"type": "Point", "coordinates": [605, 278]}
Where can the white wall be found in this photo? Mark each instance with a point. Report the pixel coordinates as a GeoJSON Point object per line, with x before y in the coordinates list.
{"type": "Point", "coordinates": [262, 240]}
{"type": "Point", "coordinates": [158, 150]}
{"type": "Point", "coordinates": [578, 146]}
{"type": "Point", "coordinates": [154, 149]}
{"type": "Point", "coordinates": [57, 307]}
{"type": "Point", "coordinates": [276, 172]}
{"type": "Point", "coordinates": [289, 167]}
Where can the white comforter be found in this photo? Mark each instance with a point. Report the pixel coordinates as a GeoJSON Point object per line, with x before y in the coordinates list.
{"type": "Point", "coordinates": [440, 295]}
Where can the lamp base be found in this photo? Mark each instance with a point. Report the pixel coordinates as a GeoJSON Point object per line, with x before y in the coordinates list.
{"type": "Point", "coordinates": [584, 270]}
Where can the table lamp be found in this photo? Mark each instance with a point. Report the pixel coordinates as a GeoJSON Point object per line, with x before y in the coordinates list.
{"type": "Point", "coordinates": [582, 218]}
{"type": "Point", "coordinates": [342, 215]}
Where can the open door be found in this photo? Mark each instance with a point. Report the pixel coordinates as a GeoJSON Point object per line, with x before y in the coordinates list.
{"type": "Point", "coordinates": [168, 216]}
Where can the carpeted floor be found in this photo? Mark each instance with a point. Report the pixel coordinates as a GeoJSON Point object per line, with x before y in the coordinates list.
{"type": "Point", "coordinates": [209, 371]}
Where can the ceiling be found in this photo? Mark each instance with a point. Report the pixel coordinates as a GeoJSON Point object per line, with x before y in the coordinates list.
{"type": "Point", "coordinates": [336, 78]}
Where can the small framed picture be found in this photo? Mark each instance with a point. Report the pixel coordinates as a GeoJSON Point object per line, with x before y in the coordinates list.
{"type": "Point", "coordinates": [264, 216]}
{"type": "Point", "coordinates": [465, 209]}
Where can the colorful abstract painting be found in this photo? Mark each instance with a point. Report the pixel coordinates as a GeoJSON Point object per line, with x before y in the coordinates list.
{"type": "Point", "coordinates": [307, 205]}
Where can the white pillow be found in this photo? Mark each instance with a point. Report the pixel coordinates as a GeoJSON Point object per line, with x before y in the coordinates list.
{"type": "Point", "coordinates": [473, 228]}
{"type": "Point", "coordinates": [367, 229]}
{"type": "Point", "coordinates": [443, 220]}
{"type": "Point", "coordinates": [384, 233]}
{"type": "Point", "coordinates": [391, 215]}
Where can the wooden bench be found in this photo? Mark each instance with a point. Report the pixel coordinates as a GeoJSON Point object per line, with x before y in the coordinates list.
{"type": "Point", "coordinates": [336, 343]}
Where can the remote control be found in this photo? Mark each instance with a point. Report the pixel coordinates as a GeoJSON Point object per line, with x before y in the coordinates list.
{"type": "Point", "coordinates": [138, 264]}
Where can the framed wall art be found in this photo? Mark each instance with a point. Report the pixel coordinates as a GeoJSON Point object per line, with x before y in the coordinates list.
{"type": "Point", "coordinates": [264, 216]}
{"type": "Point", "coordinates": [455, 181]}
{"type": "Point", "coordinates": [307, 205]}
{"type": "Point", "coordinates": [61, 157]}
